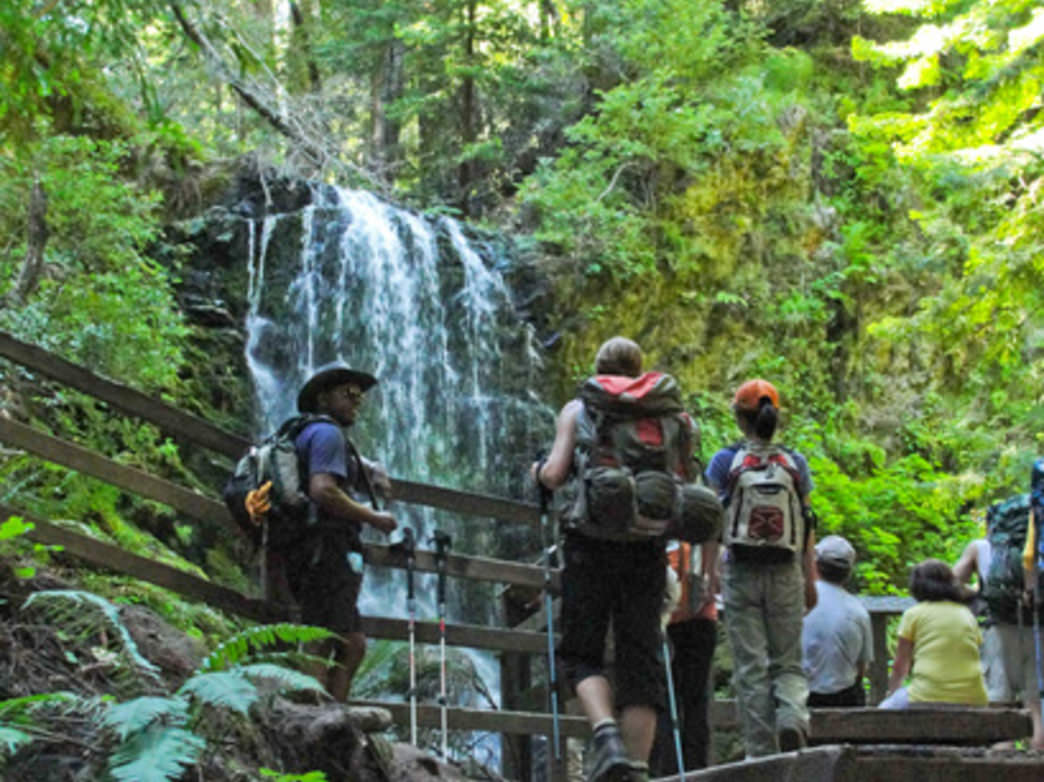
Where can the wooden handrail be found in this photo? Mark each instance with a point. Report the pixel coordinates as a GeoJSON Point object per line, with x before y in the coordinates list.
{"type": "Point", "coordinates": [187, 427]}
{"type": "Point", "coordinates": [112, 557]}
{"type": "Point", "coordinates": [197, 506]}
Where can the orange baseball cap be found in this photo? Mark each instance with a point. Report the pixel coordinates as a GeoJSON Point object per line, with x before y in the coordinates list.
{"type": "Point", "coordinates": [749, 395]}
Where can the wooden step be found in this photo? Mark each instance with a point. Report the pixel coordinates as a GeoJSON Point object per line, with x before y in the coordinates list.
{"type": "Point", "coordinates": [882, 763]}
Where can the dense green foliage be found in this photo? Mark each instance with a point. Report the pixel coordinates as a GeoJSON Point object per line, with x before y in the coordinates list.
{"type": "Point", "coordinates": [148, 735]}
{"type": "Point", "coordinates": [843, 197]}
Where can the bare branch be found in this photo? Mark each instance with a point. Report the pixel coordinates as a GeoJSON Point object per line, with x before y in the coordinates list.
{"type": "Point", "coordinates": [36, 240]}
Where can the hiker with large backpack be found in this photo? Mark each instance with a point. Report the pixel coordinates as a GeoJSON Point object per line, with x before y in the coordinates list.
{"type": "Point", "coordinates": [318, 538]}
{"type": "Point", "coordinates": [1008, 592]}
{"type": "Point", "coordinates": [975, 561]}
{"type": "Point", "coordinates": [768, 576]}
{"type": "Point", "coordinates": [623, 451]}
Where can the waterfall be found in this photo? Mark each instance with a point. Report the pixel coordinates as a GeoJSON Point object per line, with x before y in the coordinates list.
{"type": "Point", "coordinates": [414, 301]}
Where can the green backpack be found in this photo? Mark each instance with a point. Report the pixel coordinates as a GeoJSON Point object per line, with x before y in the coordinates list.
{"type": "Point", "coordinates": [633, 445]}
{"type": "Point", "coordinates": [1007, 523]}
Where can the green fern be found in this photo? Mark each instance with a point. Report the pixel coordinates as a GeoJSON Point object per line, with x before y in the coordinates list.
{"type": "Point", "coordinates": [159, 754]}
{"type": "Point", "coordinates": [20, 709]}
{"type": "Point", "coordinates": [227, 689]}
{"type": "Point", "coordinates": [237, 648]}
{"type": "Point", "coordinates": [278, 776]}
{"type": "Point", "coordinates": [20, 724]}
{"type": "Point", "coordinates": [11, 740]}
{"type": "Point", "coordinates": [285, 678]}
{"type": "Point", "coordinates": [84, 615]}
{"type": "Point", "coordinates": [136, 715]}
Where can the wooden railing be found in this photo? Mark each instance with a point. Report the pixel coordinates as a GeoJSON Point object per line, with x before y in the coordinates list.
{"type": "Point", "coordinates": [522, 641]}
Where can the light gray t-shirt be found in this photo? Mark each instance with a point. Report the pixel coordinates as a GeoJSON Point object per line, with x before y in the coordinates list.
{"type": "Point", "coordinates": [835, 638]}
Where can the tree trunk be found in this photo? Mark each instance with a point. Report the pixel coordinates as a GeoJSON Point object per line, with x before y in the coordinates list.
{"type": "Point", "coordinates": [386, 87]}
{"type": "Point", "coordinates": [36, 240]}
{"type": "Point", "coordinates": [300, 57]}
{"type": "Point", "coordinates": [465, 173]}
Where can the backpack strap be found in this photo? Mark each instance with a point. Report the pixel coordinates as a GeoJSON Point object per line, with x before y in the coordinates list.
{"type": "Point", "coordinates": [293, 427]}
{"type": "Point", "coordinates": [367, 483]}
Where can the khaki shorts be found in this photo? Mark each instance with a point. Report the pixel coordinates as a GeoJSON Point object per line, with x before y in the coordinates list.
{"type": "Point", "coordinates": [1018, 648]}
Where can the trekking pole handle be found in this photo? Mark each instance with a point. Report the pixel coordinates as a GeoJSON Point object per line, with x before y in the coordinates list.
{"type": "Point", "coordinates": [409, 544]}
{"type": "Point", "coordinates": [442, 542]}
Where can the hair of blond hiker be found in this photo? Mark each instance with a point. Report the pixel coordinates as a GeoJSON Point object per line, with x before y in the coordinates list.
{"type": "Point", "coordinates": [619, 356]}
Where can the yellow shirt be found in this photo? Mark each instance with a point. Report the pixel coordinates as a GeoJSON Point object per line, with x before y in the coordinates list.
{"type": "Point", "coordinates": [945, 638]}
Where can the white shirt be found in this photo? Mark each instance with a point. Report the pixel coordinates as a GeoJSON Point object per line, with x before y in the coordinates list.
{"type": "Point", "coordinates": [835, 639]}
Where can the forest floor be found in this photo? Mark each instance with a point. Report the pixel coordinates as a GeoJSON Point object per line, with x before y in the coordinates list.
{"type": "Point", "coordinates": [74, 675]}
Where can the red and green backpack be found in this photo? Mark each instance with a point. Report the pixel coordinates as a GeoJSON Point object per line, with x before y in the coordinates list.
{"type": "Point", "coordinates": [633, 453]}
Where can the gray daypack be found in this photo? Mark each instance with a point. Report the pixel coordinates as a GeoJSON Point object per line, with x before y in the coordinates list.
{"type": "Point", "coordinates": [274, 459]}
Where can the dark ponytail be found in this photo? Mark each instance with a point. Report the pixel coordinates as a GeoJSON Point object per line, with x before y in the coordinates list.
{"type": "Point", "coordinates": [764, 422]}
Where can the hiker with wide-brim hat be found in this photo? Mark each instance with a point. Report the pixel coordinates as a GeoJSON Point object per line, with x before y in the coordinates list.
{"type": "Point", "coordinates": [324, 570]}
{"type": "Point", "coordinates": [768, 576]}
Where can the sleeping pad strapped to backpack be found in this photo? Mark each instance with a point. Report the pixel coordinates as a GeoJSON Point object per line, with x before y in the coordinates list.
{"type": "Point", "coordinates": [633, 449]}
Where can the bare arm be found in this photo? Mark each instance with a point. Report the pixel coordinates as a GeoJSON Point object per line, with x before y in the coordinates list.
{"type": "Point", "coordinates": [965, 566]}
{"type": "Point", "coordinates": [811, 573]}
{"type": "Point", "coordinates": [558, 463]}
{"type": "Point", "coordinates": [324, 491]}
{"type": "Point", "coordinates": [901, 664]}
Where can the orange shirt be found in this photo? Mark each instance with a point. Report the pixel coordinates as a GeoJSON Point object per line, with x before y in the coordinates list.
{"type": "Point", "coordinates": [678, 558]}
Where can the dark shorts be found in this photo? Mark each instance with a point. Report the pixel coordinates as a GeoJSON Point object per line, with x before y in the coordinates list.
{"type": "Point", "coordinates": [853, 696]}
{"type": "Point", "coordinates": [604, 580]}
{"type": "Point", "coordinates": [324, 584]}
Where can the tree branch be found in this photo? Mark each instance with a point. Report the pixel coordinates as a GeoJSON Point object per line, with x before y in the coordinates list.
{"type": "Point", "coordinates": [36, 240]}
{"type": "Point", "coordinates": [314, 153]}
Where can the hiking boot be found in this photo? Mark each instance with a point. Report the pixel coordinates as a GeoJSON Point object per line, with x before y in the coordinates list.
{"type": "Point", "coordinates": [791, 739]}
{"type": "Point", "coordinates": [605, 759]}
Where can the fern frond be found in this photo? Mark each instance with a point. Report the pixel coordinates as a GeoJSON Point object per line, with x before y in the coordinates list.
{"type": "Point", "coordinates": [20, 709]}
{"type": "Point", "coordinates": [135, 715]}
{"type": "Point", "coordinates": [159, 754]}
{"type": "Point", "coordinates": [278, 776]}
{"type": "Point", "coordinates": [287, 679]}
{"type": "Point", "coordinates": [239, 647]}
{"type": "Point", "coordinates": [228, 689]}
{"type": "Point", "coordinates": [83, 615]}
{"type": "Point", "coordinates": [291, 659]}
{"type": "Point", "coordinates": [11, 740]}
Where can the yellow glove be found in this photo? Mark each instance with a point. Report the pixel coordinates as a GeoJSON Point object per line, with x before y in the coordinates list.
{"type": "Point", "coordinates": [257, 503]}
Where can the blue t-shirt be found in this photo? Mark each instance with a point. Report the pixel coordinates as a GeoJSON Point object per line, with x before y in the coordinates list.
{"type": "Point", "coordinates": [323, 449]}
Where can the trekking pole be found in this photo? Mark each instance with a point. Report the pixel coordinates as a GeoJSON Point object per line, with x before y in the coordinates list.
{"type": "Point", "coordinates": [673, 703]}
{"type": "Point", "coordinates": [408, 545]}
{"type": "Point", "coordinates": [442, 543]}
{"type": "Point", "coordinates": [556, 756]}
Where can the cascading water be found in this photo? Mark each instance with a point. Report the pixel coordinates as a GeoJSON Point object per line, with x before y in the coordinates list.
{"type": "Point", "coordinates": [413, 301]}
